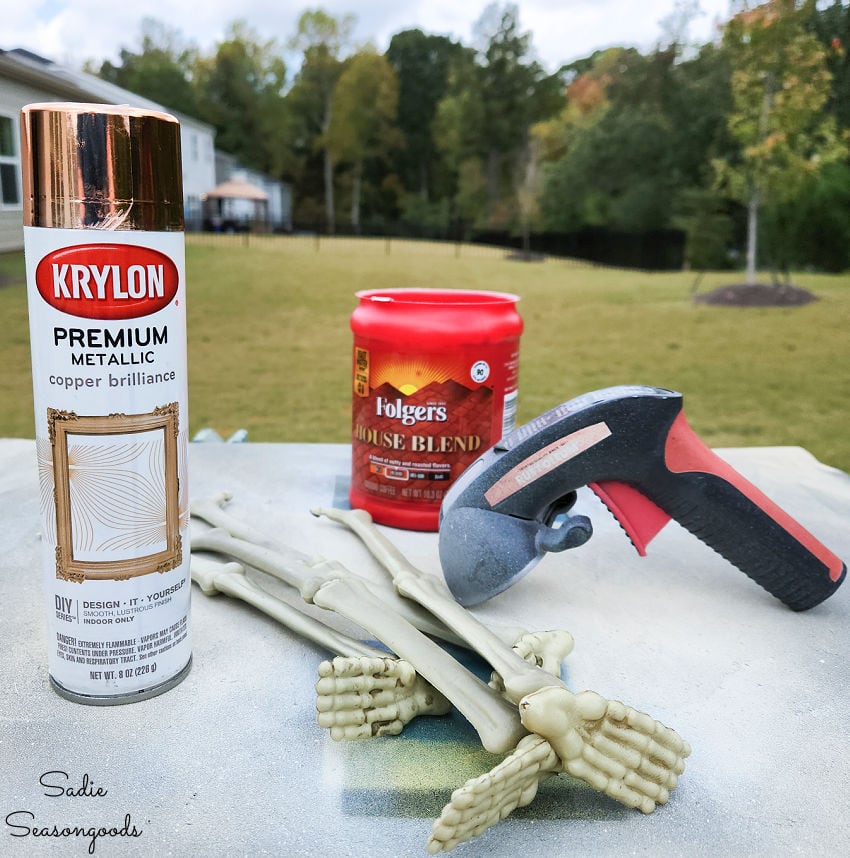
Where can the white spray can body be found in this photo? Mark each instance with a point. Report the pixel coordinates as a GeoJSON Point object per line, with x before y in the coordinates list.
{"type": "Point", "coordinates": [107, 305]}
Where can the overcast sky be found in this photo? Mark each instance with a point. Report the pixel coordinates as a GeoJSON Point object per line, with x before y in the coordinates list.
{"type": "Point", "coordinates": [71, 31]}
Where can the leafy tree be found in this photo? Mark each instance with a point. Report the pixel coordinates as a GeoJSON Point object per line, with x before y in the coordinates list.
{"type": "Point", "coordinates": [422, 64]}
{"type": "Point", "coordinates": [697, 103]}
{"type": "Point", "coordinates": [812, 229]}
{"type": "Point", "coordinates": [162, 70]}
{"type": "Point", "coordinates": [362, 124]}
{"type": "Point", "coordinates": [831, 25]}
{"type": "Point", "coordinates": [321, 39]}
{"type": "Point", "coordinates": [780, 85]}
{"type": "Point", "coordinates": [494, 98]}
{"type": "Point", "coordinates": [240, 92]}
{"type": "Point", "coordinates": [630, 150]}
{"type": "Point", "coordinates": [616, 174]}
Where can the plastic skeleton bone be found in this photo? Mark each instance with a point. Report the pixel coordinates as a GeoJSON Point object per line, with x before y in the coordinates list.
{"type": "Point", "coordinates": [614, 748]}
{"type": "Point", "coordinates": [546, 649]}
{"type": "Point", "coordinates": [210, 511]}
{"type": "Point", "coordinates": [256, 551]}
{"type": "Point", "coordinates": [483, 801]}
{"type": "Point", "coordinates": [626, 754]}
{"type": "Point", "coordinates": [330, 585]}
{"type": "Point", "coordinates": [391, 693]}
{"type": "Point", "coordinates": [378, 688]}
{"type": "Point", "coordinates": [494, 718]}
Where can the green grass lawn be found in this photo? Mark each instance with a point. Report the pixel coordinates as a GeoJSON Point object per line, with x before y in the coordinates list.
{"type": "Point", "coordinates": [270, 344]}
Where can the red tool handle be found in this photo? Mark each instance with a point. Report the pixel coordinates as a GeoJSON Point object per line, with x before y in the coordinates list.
{"type": "Point", "coordinates": [713, 501]}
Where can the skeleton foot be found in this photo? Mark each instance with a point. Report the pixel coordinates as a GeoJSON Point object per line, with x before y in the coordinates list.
{"type": "Point", "coordinates": [546, 650]}
{"type": "Point", "coordinates": [361, 697]}
{"type": "Point", "coordinates": [617, 750]}
{"type": "Point", "coordinates": [483, 801]}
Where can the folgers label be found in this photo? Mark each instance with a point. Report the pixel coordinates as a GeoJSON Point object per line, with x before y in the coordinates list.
{"type": "Point", "coordinates": [107, 281]}
{"type": "Point", "coordinates": [435, 384]}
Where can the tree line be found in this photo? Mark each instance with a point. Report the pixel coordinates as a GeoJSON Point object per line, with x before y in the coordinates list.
{"type": "Point", "coordinates": [740, 145]}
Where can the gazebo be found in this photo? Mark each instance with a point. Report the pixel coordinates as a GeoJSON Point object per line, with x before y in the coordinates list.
{"type": "Point", "coordinates": [236, 206]}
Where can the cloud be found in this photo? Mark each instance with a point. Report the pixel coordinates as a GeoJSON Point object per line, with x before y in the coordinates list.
{"type": "Point", "coordinates": [72, 31]}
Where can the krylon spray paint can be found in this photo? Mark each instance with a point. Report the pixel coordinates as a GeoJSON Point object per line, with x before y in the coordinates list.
{"type": "Point", "coordinates": [435, 385]}
{"type": "Point", "coordinates": [103, 236]}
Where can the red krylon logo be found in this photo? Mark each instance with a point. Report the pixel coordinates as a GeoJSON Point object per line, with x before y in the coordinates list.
{"type": "Point", "coordinates": [107, 281]}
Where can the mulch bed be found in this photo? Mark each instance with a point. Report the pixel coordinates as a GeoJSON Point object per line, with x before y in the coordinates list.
{"type": "Point", "coordinates": [756, 295]}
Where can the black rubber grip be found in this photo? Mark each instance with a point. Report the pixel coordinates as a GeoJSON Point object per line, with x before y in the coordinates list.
{"type": "Point", "coordinates": [728, 521]}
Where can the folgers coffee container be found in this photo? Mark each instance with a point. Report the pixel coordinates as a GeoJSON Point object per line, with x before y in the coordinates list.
{"type": "Point", "coordinates": [435, 385]}
{"type": "Point", "coordinates": [103, 233]}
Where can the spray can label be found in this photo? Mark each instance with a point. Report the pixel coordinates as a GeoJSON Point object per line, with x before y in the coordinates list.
{"type": "Point", "coordinates": [420, 418]}
{"type": "Point", "coordinates": [108, 334]}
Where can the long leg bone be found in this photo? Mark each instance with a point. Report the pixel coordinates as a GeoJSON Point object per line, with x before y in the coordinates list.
{"type": "Point", "coordinates": [210, 510]}
{"type": "Point", "coordinates": [626, 754]}
{"type": "Point", "coordinates": [307, 574]}
{"type": "Point", "coordinates": [391, 693]}
{"type": "Point", "coordinates": [546, 650]}
{"type": "Point", "coordinates": [288, 565]}
{"type": "Point", "coordinates": [214, 577]}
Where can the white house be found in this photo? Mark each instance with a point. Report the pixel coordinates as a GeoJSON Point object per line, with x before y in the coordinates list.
{"type": "Point", "coordinates": [26, 78]}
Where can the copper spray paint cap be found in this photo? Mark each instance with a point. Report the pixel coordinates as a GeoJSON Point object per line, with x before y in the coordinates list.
{"type": "Point", "coordinates": [101, 166]}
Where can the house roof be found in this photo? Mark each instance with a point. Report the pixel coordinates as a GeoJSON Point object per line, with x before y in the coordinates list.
{"type": "Point", "coordinates": [72, 85]}
{"type": "Point", "coordinates": [237, 189]}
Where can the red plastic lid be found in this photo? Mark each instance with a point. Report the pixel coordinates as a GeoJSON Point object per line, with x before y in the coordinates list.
{"type": "Point", "coordinates": [436, 317]}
